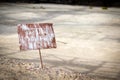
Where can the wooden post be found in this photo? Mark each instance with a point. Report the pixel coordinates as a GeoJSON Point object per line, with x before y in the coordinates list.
{"type": "Point", "coordinates": [41, 59]}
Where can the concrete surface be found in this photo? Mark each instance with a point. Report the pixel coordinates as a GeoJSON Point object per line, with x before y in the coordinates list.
{"type": "Point", "coordinates": [88, 40]}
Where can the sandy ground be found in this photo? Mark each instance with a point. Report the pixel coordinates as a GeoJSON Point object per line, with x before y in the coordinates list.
{"type": "Point", "coordinates": [15, 69]}
{"type": "Point", "coordinates": [88, 40]}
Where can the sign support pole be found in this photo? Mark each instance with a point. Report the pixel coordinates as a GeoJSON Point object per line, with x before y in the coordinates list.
{"type": "Point", "coordinates": [41, 59]}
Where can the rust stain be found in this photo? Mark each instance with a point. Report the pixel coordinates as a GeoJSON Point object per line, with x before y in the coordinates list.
{"type": "Point", "coordinates": [36, 36]}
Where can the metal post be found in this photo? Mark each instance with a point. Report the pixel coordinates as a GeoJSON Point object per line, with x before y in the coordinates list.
{"type": "Point", "coordinates": [41, 59]}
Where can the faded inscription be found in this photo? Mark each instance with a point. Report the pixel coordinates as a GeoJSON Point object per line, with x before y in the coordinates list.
{"type": "Point", "coordinates": [36, 36]}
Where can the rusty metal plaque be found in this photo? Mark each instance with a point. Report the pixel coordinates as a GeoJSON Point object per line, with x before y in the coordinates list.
{"type": "Point", "coordinates": [36, 36]}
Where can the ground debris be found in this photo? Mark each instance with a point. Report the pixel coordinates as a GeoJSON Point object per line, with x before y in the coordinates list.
{"type": "Point", "coordinates": [12, 69]}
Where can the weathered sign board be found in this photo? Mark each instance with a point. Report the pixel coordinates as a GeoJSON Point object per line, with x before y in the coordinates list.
{"type": "Point", "coordinates": [36, 36]}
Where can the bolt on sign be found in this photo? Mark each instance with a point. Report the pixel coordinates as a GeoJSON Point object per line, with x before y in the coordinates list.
{"type": "Point", "coordinates": [36, 36]}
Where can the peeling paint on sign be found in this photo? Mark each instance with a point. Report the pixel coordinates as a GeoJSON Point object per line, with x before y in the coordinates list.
{"type": "Point", "coordinates": [36, 36]}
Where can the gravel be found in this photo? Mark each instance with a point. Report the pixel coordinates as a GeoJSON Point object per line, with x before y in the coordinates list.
{"type": "Point", "coordinates": [16, 69]}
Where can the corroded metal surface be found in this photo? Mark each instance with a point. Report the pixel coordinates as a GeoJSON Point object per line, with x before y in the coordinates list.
{"type": "Point", "coordinates": [36, 36]}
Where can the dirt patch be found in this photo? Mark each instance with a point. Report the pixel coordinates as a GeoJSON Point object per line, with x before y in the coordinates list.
{"type": "Point", "coordinates": [15, 69]}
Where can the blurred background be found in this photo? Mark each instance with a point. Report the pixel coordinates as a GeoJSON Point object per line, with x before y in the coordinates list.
{"type": "Point", "coordinates": [104, 3]}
